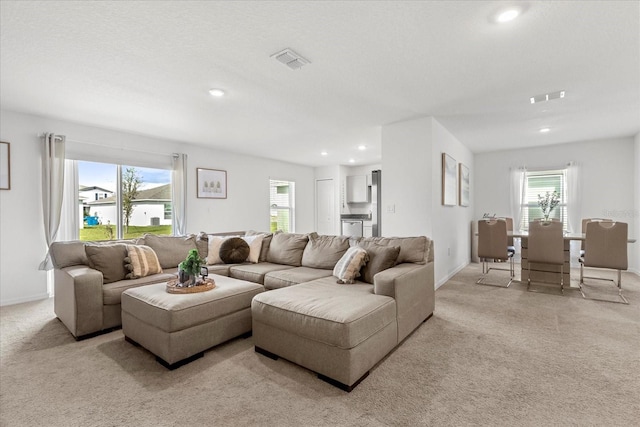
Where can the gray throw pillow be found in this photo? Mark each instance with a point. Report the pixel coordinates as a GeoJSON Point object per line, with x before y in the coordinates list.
{"type": "Point", "coordinates": [324, 251]}
{"type": "Point", "coordinates": [108, 259]}
{"type": "Point", "coordinates": [380, 258]}
{"type": "Point", "coordinates": [287, 249]}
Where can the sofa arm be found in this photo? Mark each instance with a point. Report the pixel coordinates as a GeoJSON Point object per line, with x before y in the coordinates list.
{"type": "Point", "coordinates": [412, 286]}
{"type": "Point", "coordinates": [78, 299]}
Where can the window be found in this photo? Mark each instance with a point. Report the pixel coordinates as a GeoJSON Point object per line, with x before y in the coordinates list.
{"type": "Point", "coordinates": [119, 201]}
{"type": "Point", "coordinates": [539, 183]}
{"type": "Point", "coordinates": [281, 196]}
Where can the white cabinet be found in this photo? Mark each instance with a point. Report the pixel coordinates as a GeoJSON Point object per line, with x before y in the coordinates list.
{"type": "Point", "coordinates": [367, 229]}
{"type": "Point", "coordinates": [357, 189]}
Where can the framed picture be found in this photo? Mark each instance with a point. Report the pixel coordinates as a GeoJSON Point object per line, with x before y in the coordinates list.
{"type": "Point", "coordinates": [463, 182]}
{"type": "Point", "coordinates": [212, 183]}
{"type": "Point", "coordinates": [449, 180]}
{"type": "Point", "coordinates": [5, 166]}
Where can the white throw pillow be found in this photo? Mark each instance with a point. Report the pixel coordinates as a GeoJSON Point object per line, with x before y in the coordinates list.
{"type": "Point", "coordinates": [255, 246]}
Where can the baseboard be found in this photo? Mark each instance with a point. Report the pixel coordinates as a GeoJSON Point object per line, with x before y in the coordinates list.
{"type": "Point", "coordinates": [24, 299]}
{"type": "Point", "coordinates": [450, 275]}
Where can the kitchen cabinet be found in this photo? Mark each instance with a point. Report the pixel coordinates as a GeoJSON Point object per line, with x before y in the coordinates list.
{"type": "Point", "coordinates": [357, 189]}
{"type": "Point", "coordinates": [367, 229]}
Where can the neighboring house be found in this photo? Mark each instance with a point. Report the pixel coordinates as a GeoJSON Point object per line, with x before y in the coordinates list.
{"type": "Point", "coordinates": [92, 193]}
{"type": "Point", "coordinates": [151, 207]}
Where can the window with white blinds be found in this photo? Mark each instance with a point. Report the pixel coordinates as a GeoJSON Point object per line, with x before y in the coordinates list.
{"type": "Point", "coordinates": [282, 196]}
{"type": "Point", "coordinates": [538, 183]}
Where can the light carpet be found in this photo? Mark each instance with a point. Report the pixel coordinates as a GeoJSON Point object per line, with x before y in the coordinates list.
{"type": "Point", "coordinates": [488, 356]}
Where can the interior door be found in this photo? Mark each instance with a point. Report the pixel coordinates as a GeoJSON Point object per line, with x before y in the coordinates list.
{"type": "Point", "coordinates": [325, 207]}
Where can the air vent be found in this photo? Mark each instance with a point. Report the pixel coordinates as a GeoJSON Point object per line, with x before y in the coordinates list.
{"type": "Point", "coordinates": [547, 97]}
{"type": "Point", "coordinates": [290, 59]}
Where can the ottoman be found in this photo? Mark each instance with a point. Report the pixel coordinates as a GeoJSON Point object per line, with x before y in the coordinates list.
{"type": "Point", "coordinates": [177, 328]}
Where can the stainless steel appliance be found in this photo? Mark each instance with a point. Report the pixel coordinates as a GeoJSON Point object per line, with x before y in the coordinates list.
{"type": "Point", "coordinates": [376, 202]}
{"type": "Point", "coordinates": [352, 227]}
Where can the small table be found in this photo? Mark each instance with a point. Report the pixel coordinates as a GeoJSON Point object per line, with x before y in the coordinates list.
{"type": "Point", "coordinates": [177, 328]}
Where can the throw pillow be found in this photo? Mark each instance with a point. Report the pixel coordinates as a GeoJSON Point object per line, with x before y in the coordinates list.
{"type": "Point", "coordinates": [234, 250]}
{"type": "Point", "coordinates": [255, 247]}
{"type": "Point", "coordinates": [266, 241]}
{"type": "Point", "coordinates": [287, 248]}
{"type": "Point", "coordinates": [141, 261]}
{"type": "Point", "coordinates": [213, 249]}
{"type": "Point", "coordinates": [108, 259]}
{"type": "Point", "coordinates": [324, 251]}
{"type": "Point", "coordinates": [380, 258]}
{"type": "Point", "coordinates": [348, 267]}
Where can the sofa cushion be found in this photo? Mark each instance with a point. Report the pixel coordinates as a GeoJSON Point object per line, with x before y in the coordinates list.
{"type": "Point", "coordinates": [348, 267]}
{"type": "Point", "coordinates": [293, 276]}
{"type": "Point", "coordinates": [213, 249]}
{"type": "Point", "coordinates": [336, 315]}
{"type": "Point", "coordinates": [412, 249]}
{"type": "Point", "coordinates": [66, 254]}
{"type": "Point", "coordinates": [255, 272]}
{"type": "Point", "coordinates": [108, 259]}
{"type": "Point", "coordinates": [287, 248]}
{"type": "Point", "coordinates": [324, 251]}
{"type": "Point", "coordinates": [255, 247]}
{"type": "Point", "coordinates": [381, 257]}
{"type": "Point", "coordinates": [112, 292]}
{"type": "Point", "coordinates": [171, 250]}
{"type": "Point", "coordinates": [266, 242]}
{"type": "Point", "coordinates": [141, 261]}
{"type": "Point", "coordinates": [234, 250]}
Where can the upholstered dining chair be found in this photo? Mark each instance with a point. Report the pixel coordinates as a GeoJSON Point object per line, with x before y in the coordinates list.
{"type": "Point", "coordinates": [492, 246]}
{"type": "Point", "coordinates": [605, 247]}
{"type": "Point", "coordinates": [546, 246]}
{"type": "Point", "coordinates": [584, 229]}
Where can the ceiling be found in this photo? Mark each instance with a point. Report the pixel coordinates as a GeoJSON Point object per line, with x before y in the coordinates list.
{"type": "Point", "coordinates": [146, 67]}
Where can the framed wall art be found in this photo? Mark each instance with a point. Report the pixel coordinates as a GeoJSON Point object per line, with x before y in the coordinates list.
{"type": "Point", "coordinates": [5, 166]}
{"type": "Point", "coordinates": [449, 180]}
{"type": "Point", "coordinates": [463, 182]}
{"type": "Point", "coordinates": [212, 183]}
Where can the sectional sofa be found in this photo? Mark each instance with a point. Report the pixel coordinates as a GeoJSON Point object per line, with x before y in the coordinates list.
{"type": "Point", "coordinates": [339, 330]}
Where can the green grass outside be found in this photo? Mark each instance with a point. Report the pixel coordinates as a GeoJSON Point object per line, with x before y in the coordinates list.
{"type": "Point", "coordinates": [99, 232]}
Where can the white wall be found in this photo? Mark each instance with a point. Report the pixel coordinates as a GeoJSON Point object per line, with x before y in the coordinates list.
{"type": "Point", "coordinates": [22, 242]}
{"type": "Point", "coordinates": [412, 184]}
{"type": "Point", "coordinates": [635, 248]}
{"type": "Point", "coordinates": [607, 171]}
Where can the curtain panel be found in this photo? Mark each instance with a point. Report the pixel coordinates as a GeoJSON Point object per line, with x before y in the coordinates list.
{"type": "Point", "coordinates": [179, 194]}
{"type": "Point", "coordinates": [53, 152]}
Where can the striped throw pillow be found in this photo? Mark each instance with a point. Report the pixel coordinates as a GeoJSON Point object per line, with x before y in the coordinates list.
{"type": "Point", "coordinates": [348, 267]}
{"type": "Point", "coordinates": [141, 261]}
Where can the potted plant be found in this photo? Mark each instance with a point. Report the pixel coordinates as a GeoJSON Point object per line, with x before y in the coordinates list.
{"type": "Point", "coordinates": [189, 269]}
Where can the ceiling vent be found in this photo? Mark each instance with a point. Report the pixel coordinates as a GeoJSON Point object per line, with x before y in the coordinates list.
{"type": "Point", "coordinates": [547, 97]}
{"type": "Point", "coordinates": [290, 59]}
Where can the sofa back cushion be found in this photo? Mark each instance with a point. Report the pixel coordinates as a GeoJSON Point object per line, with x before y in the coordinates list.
{"type": "Point", "coordinates": [381, 257]}
{"type": "Point", "coordinates": [108, 259]}
{"type": "Point", "coordinates": [171, 250]}
{"type": "Point", "coordinates": [324, 251]}
{"type": "Point", "coordinates": [287, 249]}
{"type": "Point", "coordinates": [412, 249]}
{"type": "Point", "coordinates": [66, 254]}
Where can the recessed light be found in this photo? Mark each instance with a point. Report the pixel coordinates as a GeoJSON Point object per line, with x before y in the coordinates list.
{"type": "Point", "coordinates": [362, 147]}
{"type": "Point", "coordinates": [352, 161]}
{"type": "Point", "coordinates": [508, 15]}
{"type": "Point", "coordinates": [544, 130]}
{"type": "Point", "coordinates": [216, 92]}
{"type": "Point", "coordinates": [324, 153]}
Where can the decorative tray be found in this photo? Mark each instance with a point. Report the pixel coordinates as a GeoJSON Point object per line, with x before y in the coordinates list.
{"type": "Point", "coordinates": [203, 286]}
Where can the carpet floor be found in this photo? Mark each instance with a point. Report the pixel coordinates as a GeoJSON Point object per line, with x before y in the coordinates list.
{"type": "Point", "coordinates": [488, 356]}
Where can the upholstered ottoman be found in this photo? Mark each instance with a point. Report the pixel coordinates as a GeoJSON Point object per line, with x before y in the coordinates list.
{"type": "Point", "coordinates": [337, 331]}
{"type": "Point", "coordinates": [177, 328]}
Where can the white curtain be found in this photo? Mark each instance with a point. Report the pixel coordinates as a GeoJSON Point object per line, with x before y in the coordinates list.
{"type": "Point", "coordinates": [574, 208]}
{"type": "Point", "coordinates": [52, 189]}
{"type": "Point", "coordinates": [517, 194]}
{"type": "Point", "coordinates": [179, 194]}
{"type": "Point", "coordinates": [71, 207]}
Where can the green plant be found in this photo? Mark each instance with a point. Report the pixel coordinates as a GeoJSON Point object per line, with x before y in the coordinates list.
{"type": "Point", "coordinates": [548, 202]}
{"type": "Point", "coordinates": [191, 265]}
{"type": "Point", "coordinates": [131, 181]}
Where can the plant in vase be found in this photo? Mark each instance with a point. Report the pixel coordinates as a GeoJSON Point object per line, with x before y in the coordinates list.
{"type": "Point", "coordinates": [189, 269]}
{"type": "Point", "coordinates": [548, 202]}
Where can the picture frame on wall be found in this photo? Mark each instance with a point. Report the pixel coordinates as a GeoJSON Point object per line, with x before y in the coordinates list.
{"type": "Point", "coordinates": [5, 166]}
{"type": "Point", "coordinates": [464, 183]}
{"type": "Point", "coordinates": [449, 180]}
{"type": "Point", "coordinates": [212, 183]}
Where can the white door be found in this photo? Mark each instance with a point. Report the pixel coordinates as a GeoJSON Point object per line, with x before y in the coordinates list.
{"type": "Point", "coordinates": [325, 207]}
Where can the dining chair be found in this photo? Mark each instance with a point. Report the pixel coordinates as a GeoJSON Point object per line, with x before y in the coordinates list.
{"type": "Point", "coordinates": [492, 245]}
{"type": "Point", "coordinates": [546, 246]}
{"type": "Point", "coordinates": [605, 247]}
{"type": "Point", "coordinates": [584, 229]}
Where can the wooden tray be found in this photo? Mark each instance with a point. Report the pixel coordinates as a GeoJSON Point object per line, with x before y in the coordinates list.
{"type": "Point", "coordinates": [206, 286]}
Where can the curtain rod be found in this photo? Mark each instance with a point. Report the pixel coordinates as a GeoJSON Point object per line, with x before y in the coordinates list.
{"type": "Point", "coordinates": [108, 146]}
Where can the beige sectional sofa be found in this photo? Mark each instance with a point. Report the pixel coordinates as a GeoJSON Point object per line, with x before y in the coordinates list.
{"type": "Point", "coordinates": [338, 330]}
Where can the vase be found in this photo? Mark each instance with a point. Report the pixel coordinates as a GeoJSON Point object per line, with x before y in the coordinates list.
{"type": "Point", "coordinates": [185, 278]}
